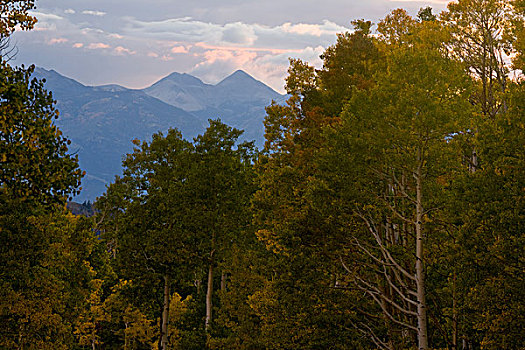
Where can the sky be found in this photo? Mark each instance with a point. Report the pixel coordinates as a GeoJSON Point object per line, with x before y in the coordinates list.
{"type": "Point", "coordinates": [134, 43]}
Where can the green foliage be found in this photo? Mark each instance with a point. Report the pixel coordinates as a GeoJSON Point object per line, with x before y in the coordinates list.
{"type": "Point", "coordinates": [46, 283]}
{"type": "Point", "coordinates": [297, 304]}
{"type": "Point", "coordinates": [48, 256]}
{"type": "Point", "coordinates": [36, 167]}
{"type": "Point", "coordinates": [402, 156]}
{"type": "Point", "coordinates": [177, 210]}
{"type": "Point", "coordinates": [186, 326]}
{"type": "Point", "coordinates": [396, 27]}
{"type": "Point", "coordinates": [347, 65]}
{"type": "Point", "coordinates": [488, 210]}
{"type": "Point", "coordinates": [425, 14]}
{"type": "Point", "coordinates": [480, 40]}
{"type": "Point", "coordinates": [123, 325]}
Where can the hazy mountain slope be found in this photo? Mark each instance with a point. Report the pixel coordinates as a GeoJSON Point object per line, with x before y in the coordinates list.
{"type": "Point", "coordinates": [102, 121]}
{"type": "Point", "coordinates": [238, 100]}
{"type": "Point", "coordinates": [182, 90]}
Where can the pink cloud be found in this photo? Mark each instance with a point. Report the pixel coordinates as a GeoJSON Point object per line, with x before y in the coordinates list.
{"type": "Point", "coordinates": [78, 45]}
{"type": "Point", "coordinates": [119, 50]}
{"type": "Point", "coordinates": [166, 58]}
{"type": "Point", "coordinates": [57, 41]}
{"type": "Point", "coordinates": [179, 49]}
{"type": "Point", "coordinates": [153, 54]}
{"type": "Point", "coordinates": [96, 46]}
{"type": "Point", "coordinates": [239, 56]}
{"type": "Point", "coordinates": [253, 49]}
{"type": "Point", "coordinates": [263, 64]}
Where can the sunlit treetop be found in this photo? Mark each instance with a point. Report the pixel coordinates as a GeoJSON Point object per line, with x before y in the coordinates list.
{"type": "Point", "coordinates": [14, 14]}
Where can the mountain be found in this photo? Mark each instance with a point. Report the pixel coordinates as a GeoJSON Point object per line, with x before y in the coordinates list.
{"type": "Point", "coordinates": [238, 100]}
{"type": "Point", "coordinates": [102, 120]}
{"type": "Point", "coordinates": [191, 94]}
{"type": "Point", "coordinates": [181, 90]}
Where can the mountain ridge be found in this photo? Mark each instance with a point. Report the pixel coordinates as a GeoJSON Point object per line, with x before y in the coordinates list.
{"type": "Point", "coordinates": [102, 120]}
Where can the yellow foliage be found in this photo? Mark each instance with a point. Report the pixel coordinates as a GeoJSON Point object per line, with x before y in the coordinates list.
{"type": "Point", "coordinates": [178, 308]}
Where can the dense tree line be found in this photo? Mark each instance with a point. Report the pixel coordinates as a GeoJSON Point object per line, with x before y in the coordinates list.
{"type": "Point", "coordinates": [386, 210]}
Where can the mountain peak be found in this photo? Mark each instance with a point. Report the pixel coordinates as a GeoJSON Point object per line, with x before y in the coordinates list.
{"type": "Point", "coordinates": [39, 71]}
{"type": "Point", "coordinates": [238, 75]}
{"type": "Point", "coordinates": [183, 78]}
{"type": "Point", "coordinates": [56, 81]}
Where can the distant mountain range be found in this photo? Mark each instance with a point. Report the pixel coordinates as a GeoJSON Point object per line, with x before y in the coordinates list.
{"type": "Point", "coordinates": [101, 121]}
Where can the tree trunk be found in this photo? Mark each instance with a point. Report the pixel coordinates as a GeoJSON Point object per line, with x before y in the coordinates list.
{"type": "Point", "coordinates": [224, 277]}
{"type": "Point", "coordinates": [420, 273]}
{"type": "Point", "coordinates": [209, 294]}
{"type": "Point", "coordinates": [454, 315]}
{"type": "Point", "coordinates": [165, 315]}
{"type": "Point", "coordinates": [125, 336]}
{"type": "Point", "coordinates": [473, 166]}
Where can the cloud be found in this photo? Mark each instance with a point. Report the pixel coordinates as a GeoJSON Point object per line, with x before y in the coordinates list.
{"type": "Point", "coordinates": [46, 16]}
{"type": "Point", "coordinates": [216, 62]}
{"type": "Point", "coordinates": [238, 33]}
{"type": "Point", "coordinates": [39, 28]}
{"type": "Point", "coordinates": [179, 49]}
{"type": "Point", "coordinates": [176, 29]}
{"type": "Point", "coordinates": [115, 36]}
{"type": "Point", "coordinates": [94, 13]}
{"type": "Point", "coordinates": [210, 49]}
{"type": "Point", "coordinates": [440, 2]}
{"type": "Point", "coordinates": [119, 50]}
{"type": "Point", "coordinates": [89, 31]}
{"type": "Point", "coordinates": [216, 50]}
{"type": "Point", "coordinates": [167, 58]}
{"type": "Point", "coordinates": [240, 57]}
{"type": "Point", "coordinates": [237, 48]}
{"type": "Point", "coordinates": [326, 28]}
{"type": "Point", "coordinates": [57, 41]}
{"type": "Point", "coordinates": [97, 46]}
{"type": "Point", "coordinates": [264, 64]}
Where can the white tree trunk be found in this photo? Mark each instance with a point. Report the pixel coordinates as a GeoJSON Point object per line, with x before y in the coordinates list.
{"type": "Point", "coordinates": [420, 273]}
{"type": "Point", "coordinates": [209, 295]}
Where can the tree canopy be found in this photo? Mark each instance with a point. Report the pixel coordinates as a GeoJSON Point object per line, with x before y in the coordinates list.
{"type": "Point", "coordinates": [386, 210]}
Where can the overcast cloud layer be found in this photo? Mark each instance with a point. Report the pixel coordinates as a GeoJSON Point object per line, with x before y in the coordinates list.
{"type": "Point", "coordinates": [134, 42]}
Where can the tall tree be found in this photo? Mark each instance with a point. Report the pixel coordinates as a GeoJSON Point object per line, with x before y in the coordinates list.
{"type": "Point", "coordinates": [178, 209]}
{"type": "Point", "coordinates": [486, 257]}
{"type": "Point", "coordinates": [14, 15]}
{"type": "Point", "coordinates": [384, 162]}
{"type": "Point", "coordinates": [36, 166]}
{"type": "Point", "coordinates": [299, 298]}
{"type": "Point", "coordinates": [37, 176]}
{"type": "Point", "coordinates": [222, 185]}
{"type": "Point", "coordinates": [152, 241]}
{"type": "Point", "coordinates": [480, 39]}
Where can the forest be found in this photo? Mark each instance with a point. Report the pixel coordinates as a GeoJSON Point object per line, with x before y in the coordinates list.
{"type": "Point", "coordinates": [386, 210]}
